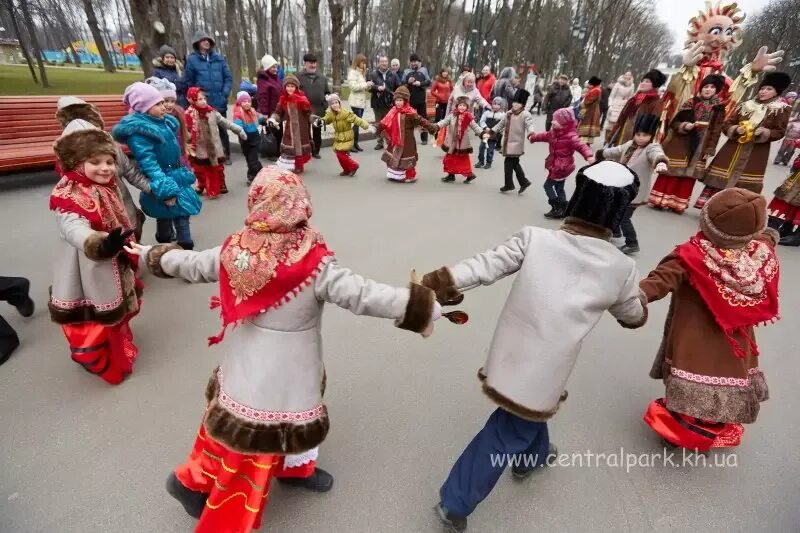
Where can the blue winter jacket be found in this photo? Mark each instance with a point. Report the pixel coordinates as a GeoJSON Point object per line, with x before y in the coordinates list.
{"type": "Point", "coordinates": [210, 73]}
{"type": "Point", "coordinates": [154, 144]}
{"type": "Point", "coordinates": [173, 74]}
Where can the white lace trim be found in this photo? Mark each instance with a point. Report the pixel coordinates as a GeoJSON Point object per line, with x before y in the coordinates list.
{"type": "Point", "coordinates": [713, 380]}
{"type": "Point", "coordinates": [293, 461]}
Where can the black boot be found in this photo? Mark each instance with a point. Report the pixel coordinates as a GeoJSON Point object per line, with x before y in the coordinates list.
{"type": "Point", "coordinates": [553, 213]}
{"type": "Point", "coordinates": [629, 248]}
{"type": "Point", "coordinates": [193, 502]}
{"type": "Point", "coordinates": [319, 481]}
{"type": "Point", "coordinates": [453, 523]}
{"type": "Point", "coordinates": [470, 178]}
{"type": "Point", "coordinates": [479, 164]}
{"type": "Point", "coordinates": [791, 240]}
{"type": "Point", "coordinates": [561, 209]}
{"type": "Point", "coordinates": [522, 471]}
{"type": "Point", "coordinates": [524, 186]}
{"type": "Point", "coordinates": [449, 178]}
{"type": "Point", "coordinates": [488, 165]}
{"type": "Point", "coordinates": [379, 145]}
{"type": "Point", "coordinates": [187, 245]}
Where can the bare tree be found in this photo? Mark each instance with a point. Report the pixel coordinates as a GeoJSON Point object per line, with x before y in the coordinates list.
{"type": "Point", "coordinates": [247, 40]}
{"type": "Point", "coordinates": [91, 20]}
{"type": "Point", "coordinates": [31, 28]}
{"type": "Point", "coordinates": [363, 20]}
{"type": "Point", "coordinates": [155, 23]}
{"type": "Point", "coordinates": [276, 6]}
{"type": "Point", "coordinates": [313, 27]}
{"type": "Point", "coordinates": [234, 55]}
{"type": "Point", "coordinates": [426, 36]}
{"type": "Point", "coordinates": [339, 32]}
{"type": "Point", "coordinates": [12, 16]}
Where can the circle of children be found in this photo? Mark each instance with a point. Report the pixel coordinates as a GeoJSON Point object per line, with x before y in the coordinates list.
{"type": "Point", "coordinates": [265, 416]}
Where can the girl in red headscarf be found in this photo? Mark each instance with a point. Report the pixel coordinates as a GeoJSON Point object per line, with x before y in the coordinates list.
{"type": "Point", "coordinates": [293, 116]}
{"type": "Point", "coordinates": [456, 142]}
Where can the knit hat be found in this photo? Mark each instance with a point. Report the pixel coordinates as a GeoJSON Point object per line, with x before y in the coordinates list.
{"type": "Point", "coordinates": [733, 217]}
{"type": "Point", "coordinates": [291, 79]}
{"type": "Point", "coordinates": [713, 79]}
{"type": "Point", "coordinates": [395, 62]}
{"type": "Point", "coordinates": [656, 77]}
{"type": "Point", "coordinates": [193, 93]}
{"type": "Point", "coordinates": [646, 124]}
{"type": "Point", "coordinates": [141, 97]}
{"type": "Point", "coordinates": [521, 96]}
{"type": "Point", "coordinates": [243, 96]}
{"type": "Point", "coordinates": [779, 81]}
{"type": "Point", "coordinates": [164, 86]}
{"type": "Point", "coordinates": [566, 117]}
{"type": "Point", "coordinates": [603, 192]}
{"type": "Point", "coordinates": [402, 92]}
{"type": "Point", "coordinates": [499, 100]}
{"type": "Point", "coordinates": [309, 58]}
{"type": "Point", "coordinates": [594, 81]}
{"type": "Point", "coordinates": [166, 50]}
{"type": "Point", "coordinates": [333, 97]}
{"type": "Point", "coordinates": [80, 141]}
{"type": "Point", "coordinates": [791, 94]}
{"type": "Point", "coordinates": [463, 100]}
{"type": "Point", "coordinates": [267, 62]}
{"type": "Point", "coordinates": [71, 108]}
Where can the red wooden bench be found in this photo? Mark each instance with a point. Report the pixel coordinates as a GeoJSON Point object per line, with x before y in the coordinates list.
{"type": "Point", "coordinates": [28, 127]}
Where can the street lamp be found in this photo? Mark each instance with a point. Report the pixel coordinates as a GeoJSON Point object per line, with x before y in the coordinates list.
{"type": "Point", "coordinates": [484, 42]}
{"type": "Point", "coordinates": [494, 42]}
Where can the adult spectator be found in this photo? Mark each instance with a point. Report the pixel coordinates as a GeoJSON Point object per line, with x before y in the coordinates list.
{"type": "Point", "coordinates": [269, 88]}
{"type": "Point", "coordinates": [620, 93]}
{"type": "Point", "coordinates": [538, 99]}
{"type": "Point", "coordinates": [207, 69]}
{"type": "Point", "coordinates": [384, 83]}
{"type": "Point", "coordinates": [486, 83]}
{"type": "Point", "coordinates": [316, 88]}
{"type": "Point", "coordinates": [169, 67]}
{"type": "Point", "coordinates": [440, 89]}
{"type": "Point", "coordinates": [504, 87]}
{"type": "Point", "coordinates": [604, 103]}
{"type": "Point", "coordinates": [395, 67]}
{"type": "Point", "coordinates": [576, 90]}
{"type": "Point", "coordinates": [558, 97]}
{"type": "Point", "coordinates": [359, 91]}
{"type": "Point", "coordinates": [418, 80]}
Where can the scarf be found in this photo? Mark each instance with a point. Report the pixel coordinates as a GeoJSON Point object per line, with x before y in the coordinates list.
{"type": "Point", "coordinates": [755, 111]}
{"type": "Point", "coordinates": [298, 98]}
{"type": "Point", "coordinates": [204, 135]}
{"type": "Point", "coordinates": [702, 110]}
{"type": "Point", "coordinates": [464, 120]}
{"type": "Point", "coordinates": [642, 96]}
{"type": "Point", "coordinates": [391, 123]}
{"type": "Point", "coordinates": [274, 256]}
{"type": "Point", "coordinates": [739, 286]}
{"type": "Point", "coordinates": [248, 117]}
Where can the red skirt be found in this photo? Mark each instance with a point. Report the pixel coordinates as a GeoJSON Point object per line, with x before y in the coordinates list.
{"type": "Point", "coordinates": [782, 210]}
{"type": "Point", "coordinates": [458, 164]}
{"type": "Point", "coordinates": [237, 484]}
{"type": "Point", "coordinates": [707, 193]}
{"type": "Point", "coordinates": [689, 432]}
{"type": "Point", "coordinates": [672, 192]}
{"type": "Point", "coordinates": [106, 351]}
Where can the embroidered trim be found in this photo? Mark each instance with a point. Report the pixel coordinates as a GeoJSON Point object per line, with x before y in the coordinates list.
{"type": "Point", "coordinates": [266, 416]}
{"type": "Point", "coordinates": [712, 380]}
{"type": "Point", "coordinates": [86, 302]}
{"type": "Point", "coordinates": [293, 461]}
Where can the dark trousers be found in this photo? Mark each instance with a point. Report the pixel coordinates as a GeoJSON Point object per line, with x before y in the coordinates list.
{"type": "Point", "coordinates": [422, 111]}
{"type": "Point", "coordinates": [441, 111]}
{"type": "Point", "coordinates": [380, 114]}
{"type": "Point", "coordinates": [536, 105]}
{"type": "Point", "coordinates": [250, 151]}
{"type": "Point", "coordinates": [14, 291]}
{"type": "Point", "coordinates": [177, 229]}
{"type": "Point", "coordinates": [487, 150]}
{"type": "Point", "coordinates": [316, 138]}
{"type": "Point", "coordinates": [224, 137]}
{"type": "Point", "coordinates": [603, 113]}
{"type": "Point", "coordinates": [359, 111]}
{"type": "Point", "coordinates": [549, 122]}
{"type": "Point", "coordinates": [511, 166]}
{"type": "Point", "coordinates": [626, 227]}
{"type": "Point", "coordinates": [478, 468]}
{"type": "Point", "coordinates": [554, 189]}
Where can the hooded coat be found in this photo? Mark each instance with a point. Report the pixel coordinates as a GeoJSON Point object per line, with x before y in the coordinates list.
{"type": "Point", "coordinates": [174, 73]}
{"type": "Point", "coordinates": [620, 94]}
{"type": "Point", "coordinates": [210, 73]}
{"type": "Point", "coordinates": [504, 88]}
{"type": "Point", "coordinates": [563, 143]}
{"type": "Point", "coordinates": [268, 93]}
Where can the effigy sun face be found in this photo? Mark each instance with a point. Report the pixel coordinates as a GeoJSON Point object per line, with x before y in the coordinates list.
{"type": "Point", "coordinates": [718, 28]}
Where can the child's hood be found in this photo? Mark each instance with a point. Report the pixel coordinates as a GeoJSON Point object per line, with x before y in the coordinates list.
{"type": "Point", "coordinates": [145, 125]}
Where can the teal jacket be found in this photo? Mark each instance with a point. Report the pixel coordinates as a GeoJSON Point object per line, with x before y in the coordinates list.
{"type": "Point", "coordinates": [154, 144]}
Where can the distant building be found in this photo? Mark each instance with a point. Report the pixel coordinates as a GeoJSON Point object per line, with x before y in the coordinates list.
{"type": "Point", "coordinates": [10, 51]}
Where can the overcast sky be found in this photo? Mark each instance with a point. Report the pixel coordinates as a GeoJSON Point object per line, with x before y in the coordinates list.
{"type": "Point", "coordinates": [678, 12]}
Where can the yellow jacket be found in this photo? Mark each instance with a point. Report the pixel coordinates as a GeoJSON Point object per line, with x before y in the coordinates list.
{"type": "Point", "coordinates": [343, 122]}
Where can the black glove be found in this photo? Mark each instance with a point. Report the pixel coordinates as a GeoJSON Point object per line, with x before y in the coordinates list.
{"type": "Point", "coordinates": [113, 244]}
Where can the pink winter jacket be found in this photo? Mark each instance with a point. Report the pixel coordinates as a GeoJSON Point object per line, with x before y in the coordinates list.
{"type": "Point", "coordinates": [564, 142]}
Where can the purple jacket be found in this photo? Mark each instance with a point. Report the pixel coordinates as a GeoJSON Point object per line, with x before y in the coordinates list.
{"type": "Point", "coordinates": [268, 93]}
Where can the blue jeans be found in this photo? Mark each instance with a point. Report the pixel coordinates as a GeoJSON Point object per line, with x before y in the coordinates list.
{"type": "Point", "coordinates": [474, 475]}
{"type": "Point", "coordinates": [554, 189]}
{"type": "Point", "coordinates": [174, 229]}
{"type": "Point", "coordinates": [359, 111]}
{"type": "Point", "coordinates": [487, 150]}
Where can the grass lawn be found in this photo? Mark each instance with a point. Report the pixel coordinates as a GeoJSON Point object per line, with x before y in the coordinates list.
{"type": "Point", "coordinates": [16, 81]}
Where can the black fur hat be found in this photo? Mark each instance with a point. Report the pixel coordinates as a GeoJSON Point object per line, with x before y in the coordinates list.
{"type": "Point", "coordinates": [521, 96]}
{"type": "Point", "coordinates": [646, 124]}
{"type": "Point", "coordinates": [656, 77]}
{"type": "Point", "coordinates": [594, 81]}
{"type": "Point", "coordinates": [714, 79]}
{"type": "Point", "coordinates": [603, 191]}
{"type": "Point", "coordinates": [780, 81]}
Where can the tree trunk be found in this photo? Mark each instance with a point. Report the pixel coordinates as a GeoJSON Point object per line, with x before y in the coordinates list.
{"type": "Point", "coordinates": [97, 35]}
{"type": "Point", "coordinates": [247, 41]}
{"type": "Point", "coordinates": [428, 23]}
{"type": "Point", "coordinates": [361, 45]}
{"type": "Point", "coordinates": [234, 39]}
{"type": "Point", "coordinates": [145, 13]}
{"type": "Point", "coordinates": [313, 28]}
{"type": "Point", "coordinates": [12, 16]}
{"type": "Point", "coordinates": [26, 17]}
{"type": "Point", "coordinates": [338, 34]}
{"type": "Point", "coordinates": [409, 16]}
{"type": "Point", "coordinates": [276, 6]}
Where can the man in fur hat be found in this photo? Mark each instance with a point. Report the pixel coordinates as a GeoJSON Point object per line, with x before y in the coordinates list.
{"type": "Point", "coordinates": [541, 328]}
{"type": "Point", "coordinates": [646, 101]}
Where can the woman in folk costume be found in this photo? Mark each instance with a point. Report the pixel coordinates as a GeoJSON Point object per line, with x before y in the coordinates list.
{"type": "Point", "coordinates": [724, 282]}
{"type": "Point", "coordinates": [590, 113]}
{"type": "Point", "coordinates": [293, 116]}
{"type": "Point", "coordinates": [691, 141]}
{"type": "Point", "coordinates": [265, 415]}
{"type": "Point", "coordinates": [95, 292]}
{"type": "Point", "coordinates": [456, 145]}
{"type": "Point", "coordinates": [646, 101]}
{"type": "Point", "coordinates": [205, 144]}
{"type": "Point", "coordinates": [751, 128]}
{"type": "Point", "coordinates": [397, 127]}
{"type": "Point", "coordinates": [784, 209]}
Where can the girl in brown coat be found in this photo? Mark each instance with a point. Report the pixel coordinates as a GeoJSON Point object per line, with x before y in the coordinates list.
{"type": "Point", "coordinates": [724, 282]}
{"type": "Point", "coordinates": [589, 126]}
{"type": "Point", "coordinates": [294, 113]}
{"type": "Point", "coordinates": [456, 143]}
{"type": "Point", "coordinates": [646, 101]}
{"type": "Point", "coordinates": [750, 129]}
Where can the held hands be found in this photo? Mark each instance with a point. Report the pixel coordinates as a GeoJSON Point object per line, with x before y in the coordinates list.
{"type": "Point", "coordinates": [661, 167]}
{"type": "Point", "coordinates": [114, 242]}
{"type": "Point", "coordinates": [591, 160]}
{"type": "Point", "coordinates": [272, 122]}
{"type": "Point", "coordinates": [530, 138]}
{"type": "Point", "coordinates": [765, 62]}
{"type": "Point", "coordinates": [136, 249]}
{"type": "Point", "coordinates": [760, 132]}
{"type": "Point", "coordinates": [689, 126]}
{"type": "Point", "coordinates": [417, 83]}
{"type": "Point", "coordinates": [243, 136]}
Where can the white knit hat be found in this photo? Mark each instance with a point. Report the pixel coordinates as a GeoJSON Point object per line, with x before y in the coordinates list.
{"type": "Point", "coordinates": [66, 101]}
{"type": "Point", "coordinates": [78, 125]}
{"type": "Point", "coordinates": [268, 61]}
{"type": "Point", "coordinates": [333, 97]}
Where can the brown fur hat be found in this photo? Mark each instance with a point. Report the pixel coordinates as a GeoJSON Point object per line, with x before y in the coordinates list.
{"type": "Point", "coordinates": [85, 111]}
{"type": "Point", "coordinates": [733, 217]}
{"type": "Point", "coordinates": [402, 92]}
{"type": "Point", "coordinates": [81, 142]}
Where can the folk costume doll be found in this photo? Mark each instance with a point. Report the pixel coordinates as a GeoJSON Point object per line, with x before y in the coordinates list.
{"type": "Point", "coordinates": [265, 415]}
{"type": "Point", "coordinates": [95, 292]}
{"type": "Point", "coordinates": [751, 128]}
{"type": "Point", "coordinates": [724, 283]}
{"type": "Point", "coordinates": [690, 143]}
{"type": "Point", "coordinates": [293, 114]}
{"type": "Point", "coordinates": [646, 101]}
{"type": "Point", "coordinates": [784, 209]}
{"type": "Point", "coordinates": [590, 112]}
{"type": "Point", "coordinates": [456, 144]}
{"type": "Point", "coordinates": [397, 127]}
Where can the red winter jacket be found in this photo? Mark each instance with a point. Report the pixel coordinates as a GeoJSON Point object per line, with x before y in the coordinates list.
{"type": "Point", "coordinates": [485, 86]}
{"type": "Point", "coordinates": [441, 90]}
{"type": "Point", "coordinates": [564, 142]}
{"type": "Point", "coordinates": [268, 92]}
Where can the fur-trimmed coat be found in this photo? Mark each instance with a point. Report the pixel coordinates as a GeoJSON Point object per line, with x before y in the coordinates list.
{"type": "Point", "coordinates": [540, 331]}
{"type": "Point", "coordinates": [642, 161]}
{"type": "Point", "coordinates": [266, 395]}
{"type": "Point", "coordinates": [404, 157]}
{"type": "Point", "coordinates": [515, 127]}
{"type": "Point", "coordinates": [687, 150]}
{"type": "Point", "coordinates": [212, 153]}
{"type": "Point", "coordinates": [789, 190]}
{"type": "Point", "coordinates": [296, 139]}
{"type": "Point", "coordinates": [451, 144]}
{"type": "Point", "coordinates": [651, 104]}
{"type": "Point", "coordinates": [590, 113]}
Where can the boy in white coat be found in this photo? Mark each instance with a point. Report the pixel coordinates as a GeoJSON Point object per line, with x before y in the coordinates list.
{"type": "Point", "coordinates": [542, 326]}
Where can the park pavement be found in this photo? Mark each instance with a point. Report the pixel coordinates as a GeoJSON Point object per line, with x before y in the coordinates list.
{"type": "Point", "coordinates": [77, 455]}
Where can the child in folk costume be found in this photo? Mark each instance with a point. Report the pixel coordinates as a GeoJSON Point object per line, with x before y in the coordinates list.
{"type": "Point", "coordinates": [751, 128]}
{"type": "Point", "coordinates": [646, 101]}
{"type": "Point", "coordinates": [515, 126]}
{"type": "Point", "coordinates": [246, 117]}
{"type": "Point", "coordinates": [563, 142]}
{"type": "Point", "coordinates": [205, 145]}
{"type": "Point", "coordinates": [343, 121]}
{"type": "Point", "coordinates": [643, 156]}
{"type": "Point", "coordinates": [724, 282]}
{"type": "Point", "coordinates": [789, 143]}
{"type": "Point", "coordinates": [265, 399]}
{"type": "Point", "coordinates": [590, 112]}
{"type": "Point", "coordinates": [692, 140]}
{"type": "Point", "coordinates": [397, 127]}
{"type": "Point", "coordinates": [168, 91]}
{"type": "Point", "coordinates": [784, 209]}
{"type": "Point", "coordinates": [95, 292]}
{"type": "Point", "coordinates": [151, 135]}
{"type": "Point", "coordinates": [489, 144]}
{"type": "Point", "coordinates": [533, 351]}
{"type": "Point", "coordinates": [456, 144]}
{"type": "Point", "coordinates": [294, 115]}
